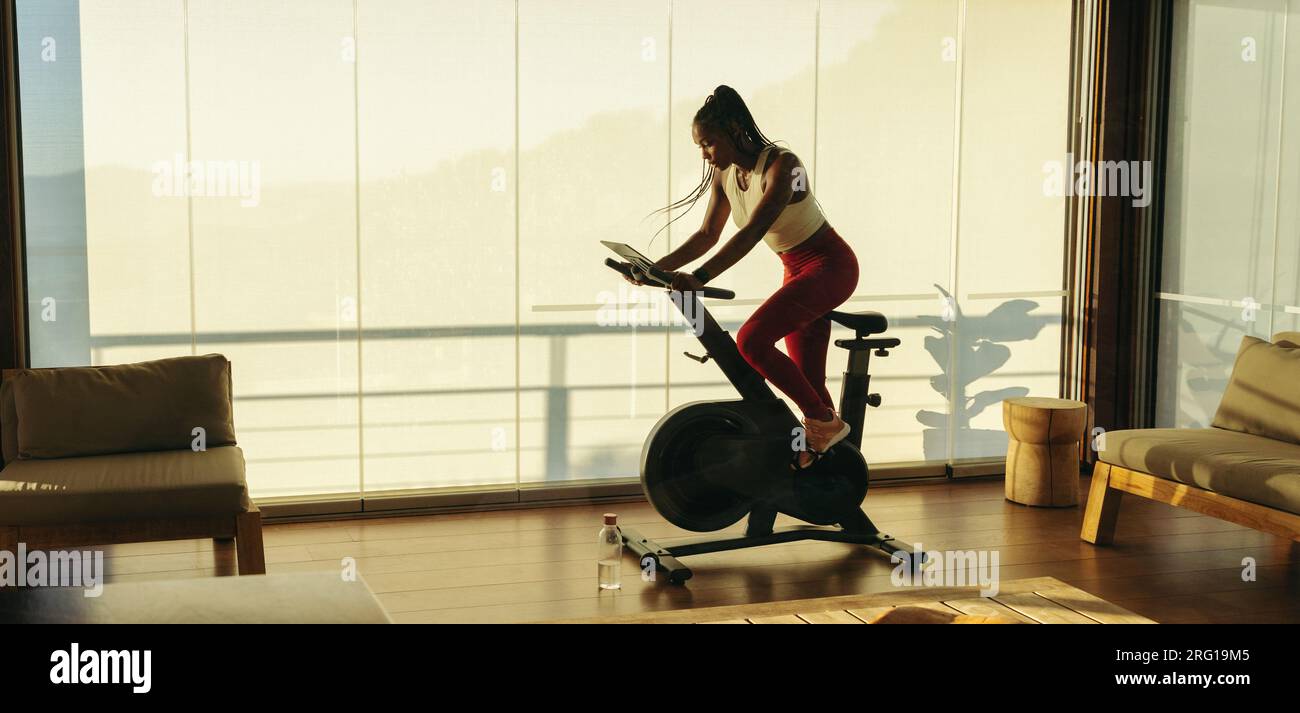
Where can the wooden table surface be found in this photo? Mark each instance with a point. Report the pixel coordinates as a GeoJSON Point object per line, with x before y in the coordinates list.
{"type": "Point", "coordinates": [1041, 600]}
{"type": "Point", "coordinates": [309, 598]}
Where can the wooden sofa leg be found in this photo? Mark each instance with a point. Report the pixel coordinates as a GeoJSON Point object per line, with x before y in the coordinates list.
{"type": "Point", "coordinates": [248, 542]}
{"type": "Point", "coordinates": [1102, 512]}
{"type": "Point", "coordinates": [9, 540]}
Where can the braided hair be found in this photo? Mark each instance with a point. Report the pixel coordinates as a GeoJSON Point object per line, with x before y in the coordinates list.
{"type": "Point", "coordinates": [727, 113]}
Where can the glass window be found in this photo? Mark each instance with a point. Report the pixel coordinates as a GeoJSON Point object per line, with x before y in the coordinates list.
{"type": "Point", "coordinates": [1230, 237]}
{"type": "Point", "coordinates": [386, 213]}
{"type": "Point", "coordinates": [593, 89]}
{"type": "Point", "coordinates": [1014, 125]}
{"type": "Point", "coordinates": [886, 128]}
{"type": "Point", "coordinates": [436, 132]}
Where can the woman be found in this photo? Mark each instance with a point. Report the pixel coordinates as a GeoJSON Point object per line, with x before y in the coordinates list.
{"type": "Point", "coordinates": [765, 189]}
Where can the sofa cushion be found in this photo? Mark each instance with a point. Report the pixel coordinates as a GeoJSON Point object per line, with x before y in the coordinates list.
{"type": "Point", "coordinates": [1287, 339]}
{"type": "Point", "coordinates": [1240, 465]}
{"type": "Point", "coordinates": [123, 486]}
{"type": "Point", "coordinates": [1263, 394]}
{"type": "Point", "coordinates": [146, 406]}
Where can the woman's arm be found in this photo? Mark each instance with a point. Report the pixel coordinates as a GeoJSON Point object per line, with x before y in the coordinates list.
{"type": "Point", "coordinates": [703, 240]}
{"type": "Point", "coordinates": [780, 187]}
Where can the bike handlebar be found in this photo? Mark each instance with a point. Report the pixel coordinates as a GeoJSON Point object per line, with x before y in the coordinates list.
{"type": "Point", "coordinates": [661, 279]}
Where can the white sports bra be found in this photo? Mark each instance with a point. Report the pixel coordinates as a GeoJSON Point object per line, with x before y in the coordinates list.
{"type": "Point", "coordinates": [797, 221]}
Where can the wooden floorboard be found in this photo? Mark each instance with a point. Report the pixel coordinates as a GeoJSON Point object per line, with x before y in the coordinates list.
{"type": "Point", "coordinates": [1167, 563]}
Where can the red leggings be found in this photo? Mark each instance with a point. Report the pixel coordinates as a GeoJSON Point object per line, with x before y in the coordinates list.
{"type": "Point", "coordinates": [820, 275]}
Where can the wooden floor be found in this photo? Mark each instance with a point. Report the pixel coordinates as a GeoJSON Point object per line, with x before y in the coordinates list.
{"type": "Point", "coordinates": [1168, 564]}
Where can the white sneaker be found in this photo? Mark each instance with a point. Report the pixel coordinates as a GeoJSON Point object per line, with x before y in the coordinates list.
{"type": "Point", "coordinates": [823, 435]}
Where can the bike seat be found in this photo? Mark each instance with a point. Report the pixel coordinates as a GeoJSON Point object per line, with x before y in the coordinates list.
{"type": "Point", "coordinates": [862, 323]}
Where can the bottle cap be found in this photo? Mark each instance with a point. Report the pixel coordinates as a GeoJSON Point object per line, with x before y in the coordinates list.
{"type": "Point", "coordinates": [611, 518]}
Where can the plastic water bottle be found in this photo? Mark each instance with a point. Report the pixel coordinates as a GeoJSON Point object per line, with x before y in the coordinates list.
{"type": "Point", "coordinates": [609, 552]}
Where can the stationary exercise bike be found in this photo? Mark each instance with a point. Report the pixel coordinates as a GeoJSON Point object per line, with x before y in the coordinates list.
{"type": "Point", "coordinates": [707, 464]}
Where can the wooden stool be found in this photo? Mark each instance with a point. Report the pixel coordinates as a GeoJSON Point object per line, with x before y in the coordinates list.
{"type": "Point", "coordinates": [1043, 450]}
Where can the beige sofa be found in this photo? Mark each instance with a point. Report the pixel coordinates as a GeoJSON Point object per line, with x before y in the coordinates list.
{"type": "Point", "coordinates": [124, 453]}
{"type": "Point", "coordinates": [1245, 468]}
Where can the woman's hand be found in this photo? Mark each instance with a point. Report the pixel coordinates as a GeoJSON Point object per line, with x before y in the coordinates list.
{"type": "Point", "coordinates": [686, 282]}
{"type": "Point", "coordinates": [635, 276]}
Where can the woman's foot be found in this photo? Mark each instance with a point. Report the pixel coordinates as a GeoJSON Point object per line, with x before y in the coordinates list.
{"type": "Point", "coordinates": [822, 435]}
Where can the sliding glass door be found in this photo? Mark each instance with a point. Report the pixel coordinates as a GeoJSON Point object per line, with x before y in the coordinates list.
{"type": "Point", "coordinates": [1231, 235]}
